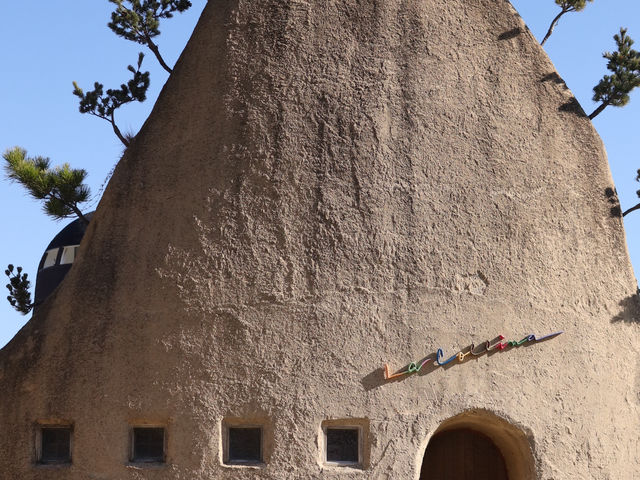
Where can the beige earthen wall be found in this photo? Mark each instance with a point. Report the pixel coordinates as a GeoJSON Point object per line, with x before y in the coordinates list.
{"type": "Point", "coordinates": [324, 187]}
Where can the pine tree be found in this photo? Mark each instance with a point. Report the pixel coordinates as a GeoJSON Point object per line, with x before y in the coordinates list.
{"type": "Point", "coordinates": [614, 89]}
{"type": "Point", "coordinates": [566, 6]}
{"type": "Point", "coordinates": [19, 296]}
{"type": "Point", "coordinates": [61, 188]}
{"type": "Point", "coordinates": [102, 105]}
{"type": "Point", "coordinates": [140, 21]}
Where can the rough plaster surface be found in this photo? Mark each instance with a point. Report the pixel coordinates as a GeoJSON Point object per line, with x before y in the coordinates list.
{"type": "Point", "coordinates": [324, 187]}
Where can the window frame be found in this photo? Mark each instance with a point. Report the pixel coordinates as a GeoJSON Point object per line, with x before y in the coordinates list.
{"type": "Point", "coordinates": [39, 438]}
{"type": "Point", "coordinates": [132, 445]}
{"type": "Point", "coordinates": [65, 249]}
{"type": "Point", "coordinates": [266, 441]}
{"type": "Point", "coordinates": [46, 256]}
{"type": "Point", "coordinates": [227, 445]}
{"type": "Point", "coordinates": [360, 425]}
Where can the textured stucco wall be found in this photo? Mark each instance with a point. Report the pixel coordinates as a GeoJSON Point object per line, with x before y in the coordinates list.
{"type": "Point", "coordinates": [324, 187]}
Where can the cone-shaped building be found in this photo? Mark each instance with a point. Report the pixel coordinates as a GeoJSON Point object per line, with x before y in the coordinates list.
{"type": "Point", "coordinates": [325, 188]}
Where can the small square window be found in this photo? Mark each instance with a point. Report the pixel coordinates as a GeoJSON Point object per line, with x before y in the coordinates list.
{"type": "Point", "coordinates": [244, 445]}
{"type": "Point", "coordinates": [55, 444]}
{"type": "Point", "coordinates": [343, 445]}
{"type": "Point", "coordinates": [148, 445]}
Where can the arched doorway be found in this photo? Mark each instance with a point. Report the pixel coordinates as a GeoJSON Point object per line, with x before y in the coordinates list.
{"type": "Point", "coordinates": [477, 445]}
{"type": "Point", "coordinates": [463, 454]}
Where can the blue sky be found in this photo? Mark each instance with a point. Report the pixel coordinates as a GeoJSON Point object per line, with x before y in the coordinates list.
{"type": "Point", "coordinates": [45, 48]}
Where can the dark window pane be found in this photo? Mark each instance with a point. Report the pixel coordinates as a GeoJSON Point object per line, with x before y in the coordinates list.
{"type": "Point", "coordinates": [342, 445]}
{"type": "Point", "coordinates": [245, 444]}
{"type": "Point", "coordinates": [56, 445]}
{"type": "Point", "coordinates": [148, 444]}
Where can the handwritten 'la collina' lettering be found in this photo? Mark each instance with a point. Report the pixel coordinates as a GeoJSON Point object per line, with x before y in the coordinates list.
{"type": "Point", "coordinates": [489, 345]}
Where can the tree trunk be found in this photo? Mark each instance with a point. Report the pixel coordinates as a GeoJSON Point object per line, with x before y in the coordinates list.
{"type": "Point", "coordinates": [635, 207]}
{"type": "Point", "coordinates": [553, 25]}
{"type": "Point", "coordinates": [597, 111]}
{"type": "Point", "coordinates": [117, 131]}
{"type": "Point", "coordinates": [73, 206]}
{"type": "Point", "coordinates": [154, 48]}
{"type": "Point", "coordinates": [77, 211]}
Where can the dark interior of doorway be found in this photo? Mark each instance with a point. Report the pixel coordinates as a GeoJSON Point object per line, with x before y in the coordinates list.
{"type": "Point", "coordinates": [462, 454]}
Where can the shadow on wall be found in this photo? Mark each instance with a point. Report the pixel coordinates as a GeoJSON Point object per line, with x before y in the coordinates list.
{"type": "Point", "coordinates": [555, 78]}
{"type": "Point", "coordinates": [509, 34]}
{"type": "Point", "coordinates": [630, 310]}
{"type": "Point", "coordinates": [572, 106]}
{"type": "Point", "coordinates": [629, 306]}
{"type": "Point", "coordinates": [612, 197]}
{"type": "Point", "coordinates": [434, 361]}
{"type": "Point", "coordinates": [424, 366]}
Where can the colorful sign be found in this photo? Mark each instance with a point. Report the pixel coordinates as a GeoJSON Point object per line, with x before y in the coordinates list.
{"type": "Point", "coordinates": [489, 345]}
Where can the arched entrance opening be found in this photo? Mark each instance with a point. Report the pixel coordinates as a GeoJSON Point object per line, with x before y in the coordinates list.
{"type": "Point", "coordinates": [478, 445]}
{"type": "Point", "coordinates": [463, 454]}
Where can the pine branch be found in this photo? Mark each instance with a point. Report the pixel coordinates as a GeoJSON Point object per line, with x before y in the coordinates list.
{"type": "Point", "coordinates": [598, 110]}
{"type": "Point", "coordinates": [554, 22]}
{"type": "Point", "coordinates": [624, 65]}
{"type": "Point", "coordinates": [60, 189]}
{"type": "Point", "coordinates": [632, 209]}
{"type": "Point", "coordinates": [117, 131]}
{"type": "Point", "coordinates": [19, 296]}
{"type": "Point", "coordinates": [139, 21]}
{"type": "Point", "coordinates": [103, 105]}
{"type": "Point", "coordinates": [566, 6]}
{"type": "Point", "coordinates": [154, 48]}
{"type": "Point", "coordinates": [637, 206]}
